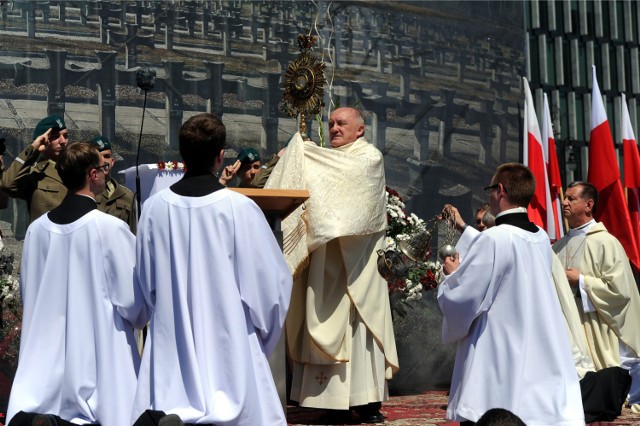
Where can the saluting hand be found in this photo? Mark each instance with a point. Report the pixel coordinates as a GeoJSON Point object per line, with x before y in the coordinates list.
{"type": "Point", "coordinates": [41, 142]}
{"type": "Point", "coordinates": [229, 172]}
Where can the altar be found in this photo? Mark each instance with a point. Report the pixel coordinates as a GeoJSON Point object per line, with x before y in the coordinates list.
{"type": "Point", "coordinates": [152, 178]}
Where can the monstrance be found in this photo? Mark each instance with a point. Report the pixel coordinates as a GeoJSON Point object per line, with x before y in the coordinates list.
{"type": "Point", "coordinates": [303, 85]}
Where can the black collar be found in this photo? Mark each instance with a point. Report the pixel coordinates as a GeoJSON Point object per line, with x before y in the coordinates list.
{"type": "Point", "coordinates": [520, 220]}
{"type": "Point", "coordinates": [72, 208]}
{"type": "Point", "coordinates": [196, 184]}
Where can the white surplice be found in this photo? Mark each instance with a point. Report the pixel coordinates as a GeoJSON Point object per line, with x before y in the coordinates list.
{"type": "Point", "coordinates": [212, 269]}
{"type": "Point", "coordinates": [78, 356]}
{"type": "Point", "coordinates": [501, 308]}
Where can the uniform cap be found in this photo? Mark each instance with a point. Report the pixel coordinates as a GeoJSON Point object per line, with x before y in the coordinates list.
{"type": "Point", "coordinates": [101, 143]}
{"type": "Point", "coordinates": [54, 121]}
{"type": "Point", "coordinates": [248, 156]}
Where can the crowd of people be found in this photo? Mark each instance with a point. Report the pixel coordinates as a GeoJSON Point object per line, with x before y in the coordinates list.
{"type": "Point", "coordinates": [546, 334]}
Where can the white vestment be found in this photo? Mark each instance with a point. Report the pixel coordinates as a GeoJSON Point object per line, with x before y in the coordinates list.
{"type": "Point", "coordinates": [212, 270]}
{"type": "Point", "coordinates": [78, 357]}
{"type": "Point", "coordinates": [339, 329]}
{"type": "Point", "coordinates": [577, 338]}
{"type": "Point", "coordinates": [501, 308]}
{"type": "Point", "coordinates": [611, 325]}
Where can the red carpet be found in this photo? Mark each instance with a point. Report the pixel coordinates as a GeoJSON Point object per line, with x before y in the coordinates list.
{"type": "Point", "coordinates": [425, 409]}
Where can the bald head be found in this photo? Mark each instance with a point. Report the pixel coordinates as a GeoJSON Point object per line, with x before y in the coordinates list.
{"type": "Point", "coordinates": [345, 126]}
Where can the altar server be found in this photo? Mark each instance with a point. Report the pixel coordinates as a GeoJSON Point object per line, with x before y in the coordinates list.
{"type": "Point", "coordinates": [78, 357]}
{"type": "Point", "coordinates": [501, 309]}
{"type": "Point", "coordinates": [219, 302]}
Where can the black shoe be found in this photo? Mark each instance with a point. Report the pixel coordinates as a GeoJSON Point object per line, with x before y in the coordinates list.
{"type": "Point", "coordinates": [44, 420]}
{"type": "Point", "coordinates": [370, 413]}
{"type": "Point", "coordinates": [372, 417]}
{"type": "Point", "coordinates": [335, 417]}
{"type": "Point", "coordinates": [170, 420]}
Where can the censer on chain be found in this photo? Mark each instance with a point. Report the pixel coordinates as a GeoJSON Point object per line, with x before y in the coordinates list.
{"type": "Point", "coordinates": [394, 264]}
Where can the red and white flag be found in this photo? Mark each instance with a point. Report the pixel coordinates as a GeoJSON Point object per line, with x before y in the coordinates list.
{"type": "Point", "coordinates": [604, 174]}
{"type": "Point", "coordinates": [533, 154]}
{"type": "Point", "coordinates": [631, 170]}
{"type": "Point", "coordinates": [555, 223]}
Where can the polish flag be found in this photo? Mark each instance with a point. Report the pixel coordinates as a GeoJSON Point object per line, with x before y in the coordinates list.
{"type": "Point", "coordinates": [631, 171]}
{"type": "Point", "coordinates": [533, 154]}
{"type": "Point", "coordinates": [604, 174]}
{"type": "Point", "coordinates": [555, 223]}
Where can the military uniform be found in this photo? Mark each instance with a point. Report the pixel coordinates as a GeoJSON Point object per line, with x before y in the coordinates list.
{"type": "Point", "coordinates": [118, 201]}
{"type": "Point", "coordinates": [36, 180]}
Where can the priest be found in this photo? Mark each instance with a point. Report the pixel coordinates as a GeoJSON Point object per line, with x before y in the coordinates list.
{"type": "Point", "coordinates": [599, 271]}
{"type": "Point", "coordinates": [500, 308]}
{"type": "Point", "coordinates": [339, 329]}
{"type": "Point", "coordinates": [211, 269]}
{"type": "Point", "coordinates": [78, 357]}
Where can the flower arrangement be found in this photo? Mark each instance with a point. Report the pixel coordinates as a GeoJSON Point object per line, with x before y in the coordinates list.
{"type": "Point", "coordinates": [171, 165]}
{"type": "Point", "coordinates": [425, 274]}
{"type": "Point", "coordinates": [10, 318]}
{"type": "Point", "coordinates": [10, 293]}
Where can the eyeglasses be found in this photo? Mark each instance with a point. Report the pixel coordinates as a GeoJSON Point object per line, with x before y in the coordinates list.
{"type": "Point", "coordinates": [490, 188]}
{"type": "Point", "coordinates": [105, 167]}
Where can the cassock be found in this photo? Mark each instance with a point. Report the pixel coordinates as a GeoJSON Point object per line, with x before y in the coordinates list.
{"type": "Point", "coordinates": [216, 278]}
{"type": "Point", "coordinates": [501, 309]}
{"type": "Point", "coordinates": [78, 356]}
{"type": "Point", "coordinates": [609, 303]}
{"type": "Point", "coordinates": [339, 328]}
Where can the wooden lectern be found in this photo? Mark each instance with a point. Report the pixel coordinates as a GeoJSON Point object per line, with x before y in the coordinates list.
{"type": "Point", "coordinates": [276, 205]}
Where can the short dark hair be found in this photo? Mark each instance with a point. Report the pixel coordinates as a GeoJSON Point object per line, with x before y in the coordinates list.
{"type": "Point", "coordinates": [519, 182]}
{"type": "Point", "coordinates": [74, 162]}
{"type": "Point", "coordinates": [587, 191]}
{"type": "Point", "coordinates": [483, 208]}
{"type": "Point", "coordinates": [202, 137]}
{"type": "Point", "coordinates": [499, 417]}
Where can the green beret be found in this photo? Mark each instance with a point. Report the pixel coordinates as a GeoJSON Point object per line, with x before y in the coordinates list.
{"type": "Point", "coordinates": [101, 143]}
{"type": "Point", "coordinates": [248, 156]}
{"type": "Point", "coordinates": [53, 121]}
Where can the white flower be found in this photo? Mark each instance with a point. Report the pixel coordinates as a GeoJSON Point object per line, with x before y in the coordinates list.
{"type": "Point", "coordinates": [389, 243]}
{"type": "Point", "coordinates": [168, 165]}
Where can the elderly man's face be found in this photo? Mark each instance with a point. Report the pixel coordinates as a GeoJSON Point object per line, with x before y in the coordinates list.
{"type": "Point", "coordinates": [344, 127]}
{"type": "Point", "coordinates": [576, 209]}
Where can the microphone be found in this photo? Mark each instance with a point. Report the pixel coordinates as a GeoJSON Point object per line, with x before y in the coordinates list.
{"type": "Point", "coordinates": [146, 80]}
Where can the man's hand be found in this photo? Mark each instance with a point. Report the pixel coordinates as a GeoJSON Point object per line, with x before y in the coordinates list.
{"type": "Point", "coordinates": [450, 264]}
{"type": "Point", "coordinates": [573, 276]}
{"type": "Point", "coordinates": [41, 142]}
{"type": "Point", "coordinates": [452, 212]}
{"type": "Point", "coordinates": [229, 172]}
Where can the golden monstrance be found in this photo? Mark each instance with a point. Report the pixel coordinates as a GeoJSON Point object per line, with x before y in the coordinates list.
{"type": "Point", "coordinates": [303, 85]}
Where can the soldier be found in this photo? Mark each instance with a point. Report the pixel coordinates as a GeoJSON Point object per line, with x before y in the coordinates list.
{"type": "Point", "coordinates": [116, 200]}
{"type": "Point", "coordinates": [32, 176]}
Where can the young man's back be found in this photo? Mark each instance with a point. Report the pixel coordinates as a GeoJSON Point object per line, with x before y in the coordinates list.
{"type": "Point", "coordinates": [78, 357]}
{"type": "Point", "coordinates": [211, 268]}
